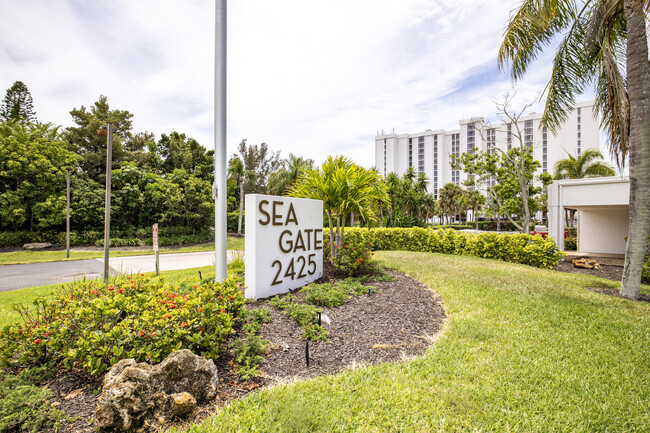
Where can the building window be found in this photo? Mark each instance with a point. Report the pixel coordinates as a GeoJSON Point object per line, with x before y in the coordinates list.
{"type": "Point", "coordinates": [471, 143]}
{"type": "Point", "coordinates": [545, 149]}
{"type": "Point", "coordinates": [528, 133]}
{"type": "Point", "coordinates": [579, 142]}
{"type": "Point", "coordinates": [471, 139]}
{"type": "Point", "coordinates": [490, 138]}
{"type": "Point", "coordinates": [509, 139]}
{"type": "Point", "coordinates": [410, 152]}
{"type": "Point", "coordinates": [435, 167]}
{"type": "Point", "coordinates": [455, 151]}
{"type": "Point", "coordinates": [421, 154]}
{"type": "Point", "coordinates": [384, 157]}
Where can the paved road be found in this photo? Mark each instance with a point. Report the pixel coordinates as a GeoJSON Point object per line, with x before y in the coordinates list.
{"type": "Point", "coordinates": [38, 274]}
{"type": "Point", "coordinates": [168, 262]}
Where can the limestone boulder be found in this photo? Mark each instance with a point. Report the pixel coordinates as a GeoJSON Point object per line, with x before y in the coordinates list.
{"type": "Point", "coordinates": [137, 396]}
{"type": "Point", "coordinates": [37, 245]}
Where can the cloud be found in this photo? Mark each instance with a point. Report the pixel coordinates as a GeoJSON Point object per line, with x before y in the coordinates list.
{"type": "Point", "coordinates": [307, 77]}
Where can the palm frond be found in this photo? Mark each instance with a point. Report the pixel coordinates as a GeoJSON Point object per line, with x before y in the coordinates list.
{"type": "Point", "coordinates": [531, 28]}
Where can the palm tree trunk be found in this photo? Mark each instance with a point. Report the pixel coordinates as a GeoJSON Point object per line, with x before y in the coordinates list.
{"type": "Point", "coordinates": [332, 238]}
{"type": "Point", "coordinates": [241, 205]}
{"type": "Point", "coordinates": [638, 82]}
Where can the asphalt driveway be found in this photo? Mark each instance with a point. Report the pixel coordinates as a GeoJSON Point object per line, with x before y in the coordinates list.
{"type": "Point", "coordinates": [39, 274]}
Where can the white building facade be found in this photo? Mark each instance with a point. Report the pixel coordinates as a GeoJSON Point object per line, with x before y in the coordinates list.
{"type": "Point", "coordinates": [430, 151]}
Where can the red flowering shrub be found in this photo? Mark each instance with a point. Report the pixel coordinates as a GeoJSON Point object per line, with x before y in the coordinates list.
{"type": "Point", "coordinates": [91, 326]}
{"type": "Point", "coordinates": [353, 257]}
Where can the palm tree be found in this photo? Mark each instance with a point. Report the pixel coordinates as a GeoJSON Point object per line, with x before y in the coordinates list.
{"type": "Point", "coordinates": [585, 165]}
{"type": "Point", "coordinates": [475, 201]}
{"type": "Point", "coordinates": [26, 132]}
{"type": "Point", "coordinates": [449, 199]}
{"type": "Point", "coordinates": [344, 188]}
{"type": "Point", "coordinates": [596, 36]}
{"type": "Point", "coordinates": [237, 170]}
{"type": "Point", "coordinates": [281, 180]}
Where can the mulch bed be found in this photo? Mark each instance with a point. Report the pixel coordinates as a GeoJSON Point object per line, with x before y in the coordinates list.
{"type": "Point", "coordinates": [398, 322]}
{"type": "Point", "coordinates": [611, 272]}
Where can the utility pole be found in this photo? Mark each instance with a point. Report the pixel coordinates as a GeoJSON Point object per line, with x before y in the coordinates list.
{"type": "Point", "coordinates": [67, 213]}
{"type": "Point", "coordinates": [219, 191]}
{"type": "Point", "coordinates": [107, 208]}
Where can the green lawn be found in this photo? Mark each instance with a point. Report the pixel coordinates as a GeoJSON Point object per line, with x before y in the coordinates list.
{"type": "Point", "coordinates": [524, 350]}
{"type": "Point", "coordinates": [26, 256]}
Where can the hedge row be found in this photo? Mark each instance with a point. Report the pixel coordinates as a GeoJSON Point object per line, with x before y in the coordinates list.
{"type": "Point", "coordinates": [167, 236]}
{"type": "Point", "coordinates": [516, 248]}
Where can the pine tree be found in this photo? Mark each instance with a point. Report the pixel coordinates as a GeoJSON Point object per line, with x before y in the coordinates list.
{"type": "Point", "coordinates": [18, 104]}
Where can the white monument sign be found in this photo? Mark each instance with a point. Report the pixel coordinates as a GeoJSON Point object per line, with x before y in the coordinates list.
{"type": "Point", "coordinates": [284, 244]}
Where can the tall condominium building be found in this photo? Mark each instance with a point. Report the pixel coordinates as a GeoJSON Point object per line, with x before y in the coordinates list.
{"type": "Point", "coordinates": [430, 151]}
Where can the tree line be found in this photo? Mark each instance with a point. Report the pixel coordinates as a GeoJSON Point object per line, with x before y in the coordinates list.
{"type": "Point", "coordinates": [166, 180]}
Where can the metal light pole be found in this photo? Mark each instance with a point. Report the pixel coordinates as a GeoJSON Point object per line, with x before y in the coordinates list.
{"type": "Point", "coordinates": [107, 209]}
{"type": "Point", "coordinates": [220, 259]}
{"type": "Point", "coordinates": [67, 213]}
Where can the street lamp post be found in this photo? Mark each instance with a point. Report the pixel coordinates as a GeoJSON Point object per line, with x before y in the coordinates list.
{"type": "Point", "coordinates": [107, 208]}
{"type": "Point", "coordinates": [220, 259]}
{"type": "Point", "coordinates": [67, 212]}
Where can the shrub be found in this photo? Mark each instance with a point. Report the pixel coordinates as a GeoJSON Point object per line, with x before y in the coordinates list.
{"type": "Point", "coordinates": [570, 243]}
{"type": "Point", "coordinates": [232, 221]}
{"type": "Point", "coordinates": [315, 332]}
{"type": "Point", "coordinates": [249, 349]}
{"type": "Point", "coordinates": [249, 353]}
{"type": "Point", "coordinates": [92, 326]}
{"type": "Point", "coordinates": [326, 295]}
{"type": "Point", "coordinates": [516, 248]}
{"type": "Point", "coordinates": [353, 257]}
{"type": "Point", "coordinates": [10, 239]}
{"type": "Point", "coordinates": [23, 403]}
{"type": "Point", "coordinates": [454, 226]}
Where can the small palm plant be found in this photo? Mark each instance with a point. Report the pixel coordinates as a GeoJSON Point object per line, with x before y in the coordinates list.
{"type": "Point", "coordinates": [344, 188]}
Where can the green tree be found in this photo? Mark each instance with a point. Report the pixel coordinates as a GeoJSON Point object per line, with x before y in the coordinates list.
{"type": "Point", "coordinates": [91, 144]}
{"type": "Point", "coordinates": [178, 151]}
{"type": "Point", "coordinates": [32, 183]}
{"type": "Point", "coordinates": [18, 105]}
{"type": "Point", "coordinates": [290, 168]}
{"type": "Point", "coordinates": [587, 164]}
{"type": "Point", "coordinates": [408, 199]}
{"type": "Point", "coordinates": [260, 161]}
{"type": "Point", "coordinates": [507, 177]}
{"type": "Point", "coordinates": [475, 201]}
{"type": "Point", "coordinates": [596, 37]}
{"type": "Point", "coordinates": [26, 132]}
{"type": "Point", "coordinates": [344, 188]}
{"type": "Point", "coordinates": [237, 171]}
{"type": "Point", "coordinates": [86, 203]}
{"type": "Point", "coordinates": [449, 200]}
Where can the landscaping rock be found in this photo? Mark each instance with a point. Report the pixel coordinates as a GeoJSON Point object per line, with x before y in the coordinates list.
{"type": "Point", "coordinates": [586, 264]}
{"type": "Point", "coordinates": [136, 396]}
{"type": "Point", "coordinates": [37, 246]}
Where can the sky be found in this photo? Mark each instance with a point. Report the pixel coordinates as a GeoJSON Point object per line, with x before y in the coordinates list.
{"type": "Point", "coordinates": [308, 77]}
